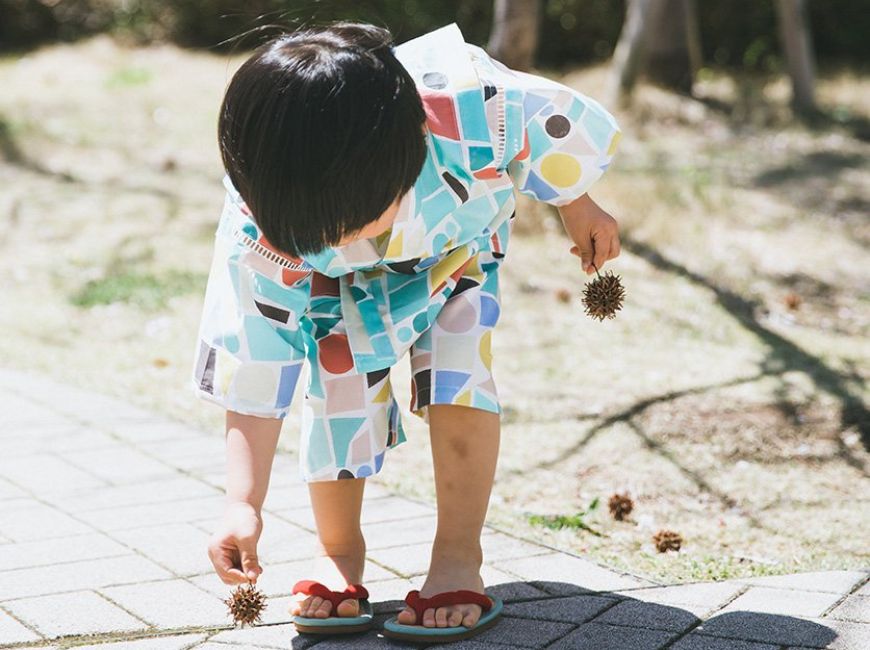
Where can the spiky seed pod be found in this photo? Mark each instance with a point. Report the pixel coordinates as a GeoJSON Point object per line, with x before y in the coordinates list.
{"type": "Point", "coordinates": [603, 296]}
{"type": "Point", "coordinates": [620, 506]}
{"type": "Point", "coordinates": [246, 604]}
{"type": "Point", "coordinates": [667, 540]}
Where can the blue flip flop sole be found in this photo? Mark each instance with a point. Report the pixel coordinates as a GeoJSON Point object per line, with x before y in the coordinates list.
{"type": "Point", "coordinates": [337, 624]}
{"type": "Point", "coordinates": [421, 634]}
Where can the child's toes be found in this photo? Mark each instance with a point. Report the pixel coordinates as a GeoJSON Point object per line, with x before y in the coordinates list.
{"type": "Point", "coordinates": [407, 616]}
{"type": "Point", "coordinates": [471, 617]}
{"type": "Point", "coordinates": [429, 617]}
{"type": "Point", "coordinates": [441, 617]}
{"type": "Point", "coordinates": [455, 618]}
{"type": "Point", "coordinates": [348, 607]}
{"type": "Point", "coordinates": [323, 609]}
{"type": "Point", "coordinates": [311, 605]}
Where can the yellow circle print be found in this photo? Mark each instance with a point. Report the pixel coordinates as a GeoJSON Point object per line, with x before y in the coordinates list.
{"type": "Point", "coordinates": [560, 169]}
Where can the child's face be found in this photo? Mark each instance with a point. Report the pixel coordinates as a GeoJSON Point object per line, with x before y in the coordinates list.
{"type": "Point", "coordinates": [383, 223]}
{"type": "Point", "coordinates": [375, 228]}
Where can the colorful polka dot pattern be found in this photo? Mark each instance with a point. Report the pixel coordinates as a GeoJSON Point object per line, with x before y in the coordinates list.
{"type": "Point", "coordinates": [429, 286]}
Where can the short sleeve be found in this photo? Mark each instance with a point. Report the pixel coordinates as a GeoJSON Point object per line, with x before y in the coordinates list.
{"type": "Point", "coordinates": [555, 141]}
{"type": "Point", "coordinates": [250, 348]}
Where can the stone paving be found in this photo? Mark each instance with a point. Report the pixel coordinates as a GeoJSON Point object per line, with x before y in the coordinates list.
{"type": "Point", "coordinates": [105, 511]}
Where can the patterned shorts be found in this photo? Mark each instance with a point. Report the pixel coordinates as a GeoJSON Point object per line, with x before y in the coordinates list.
{"type": "Point", "coordinates": [345, 433]}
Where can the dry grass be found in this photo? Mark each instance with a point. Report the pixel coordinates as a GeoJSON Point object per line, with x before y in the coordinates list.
{"type": "Point", "coordinates": [728, 397]}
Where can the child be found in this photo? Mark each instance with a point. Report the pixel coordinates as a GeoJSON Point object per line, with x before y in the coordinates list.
{"type": "Point", "coordinates": [369, 207]}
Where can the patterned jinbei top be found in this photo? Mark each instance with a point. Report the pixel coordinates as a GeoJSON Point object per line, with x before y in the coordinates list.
{"type": "Point", "coordinates": [490, 130]}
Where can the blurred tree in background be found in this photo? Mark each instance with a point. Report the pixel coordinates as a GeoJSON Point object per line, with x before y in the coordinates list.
{"type": "Point", "coordinates": [737, 33]}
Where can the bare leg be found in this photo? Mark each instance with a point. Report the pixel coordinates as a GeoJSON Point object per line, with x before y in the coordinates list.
{"type": "Point", "coordinates": [336, 506]}
{"type": "Point", "coordinates": [465, 445]}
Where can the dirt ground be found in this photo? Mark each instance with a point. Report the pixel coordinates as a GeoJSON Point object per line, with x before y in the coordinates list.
{"type": "Point", "coordinates": [728, 397]}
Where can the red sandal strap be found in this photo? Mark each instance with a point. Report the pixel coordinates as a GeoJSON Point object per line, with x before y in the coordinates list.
{"type": "Point", "coordinates": [312, 588]}
{"type": "Point", "coordinates": [461, 596]}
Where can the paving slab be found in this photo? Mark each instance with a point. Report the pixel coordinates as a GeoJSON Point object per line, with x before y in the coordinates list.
{"type": "Point", "coordinates": [181, 548]}
{"type": "Point", "coordinates": [789, 602]}
{"type": "Point", "coordinates": [46, 473]}
{"type": "Point", "coordinates": [170, 487]}
{"type": "Point", "coordinates": [847, 636]}
{"type": "Point", "coordinates": [28, 519]}
{"type": "Point", "coordinates": [613, 637]}
{"type": "Point", "coordinates": [80, 612]}
{"type": "Point", "coordinates": [652, 616]}
{"type": "Point", "coordinates": [711, 595]}
{"type": "Point", "coordinates": [61, 550]}
{"type": "Point", "coordinates": [575, 573]}
{"type": "Point", "coordinates": [838, 582]}
{"type": "Point", "coordinates": [769, 628]}
{"type": "Point", "coordinates": [169, 604]}
{"type": "Point", "coordinates": [74, 576]}
{"type": "Point", "coordinates": [569, 609]}
{"type": "Point", "coordinates": [853, 608]}
{"type": "Point", "coordinates": [518, 632]}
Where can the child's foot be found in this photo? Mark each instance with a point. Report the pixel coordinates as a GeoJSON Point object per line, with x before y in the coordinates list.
{"type": "Point", "coordinates": [445, 574]}
{"type": "Point", "coordinates": [335, 568]}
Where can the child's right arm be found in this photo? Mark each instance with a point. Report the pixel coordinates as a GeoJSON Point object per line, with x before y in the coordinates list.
{"type": "Point", "coordinates": [248, 358]}
{"type": "Point", "coordinates": [250, 442]}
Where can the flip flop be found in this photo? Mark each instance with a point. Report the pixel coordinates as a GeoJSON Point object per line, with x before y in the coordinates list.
{"type": "Point", "coordinates": [334, 624]}
{"type": "Point", "coordinates": [490, 605]}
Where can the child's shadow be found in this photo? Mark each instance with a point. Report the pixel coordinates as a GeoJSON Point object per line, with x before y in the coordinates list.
{"type": "Point", "coordinates": [563, 616]}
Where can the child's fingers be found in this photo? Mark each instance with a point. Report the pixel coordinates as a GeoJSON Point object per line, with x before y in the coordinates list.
{"type": "Point", "coordinates": [250, 565]}
{"type": "Point", "coordinates": [602, 251]}
{"type": "Point", "coordinates": [224, 561]}
{"type": "Point", "coordinates": [614, 247]}
{"type": "Point", "coordinates": [585, 257]}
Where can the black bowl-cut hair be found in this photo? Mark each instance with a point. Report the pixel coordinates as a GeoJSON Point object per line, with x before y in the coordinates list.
{"type": "Point", "coordinates": [320, 131]}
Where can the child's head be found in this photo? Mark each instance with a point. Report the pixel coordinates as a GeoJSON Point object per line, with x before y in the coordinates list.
{"type": "Point", "coordinates": [321, 132]}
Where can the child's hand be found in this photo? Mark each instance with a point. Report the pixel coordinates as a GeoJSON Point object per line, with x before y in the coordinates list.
{"type": "Point", "coordinates": [594, 232]}
{"type": "Point", "coordinates": [232, 549]}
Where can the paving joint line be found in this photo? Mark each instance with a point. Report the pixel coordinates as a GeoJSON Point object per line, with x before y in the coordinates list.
{"type": "Point", "coordinates": [855, 588]}
{"type": "Point", "coordinates": [577, 626]}
{"type": "Point", "coordinates": [23, 623]}
{"type": "Point", "coordinates": [121, 607]}
{"type": "Point", "coordinates": [4, 572]}
{"type": "Point", "coordinates": [701, 620]}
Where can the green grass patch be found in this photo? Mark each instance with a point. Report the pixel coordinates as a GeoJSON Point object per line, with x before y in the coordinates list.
{"type": "Point", "coordinates": [148, 291]}
{"type": "Point", "coordinates": [576, 521]}
{"type": "Point", "coordinates": [129, 76]}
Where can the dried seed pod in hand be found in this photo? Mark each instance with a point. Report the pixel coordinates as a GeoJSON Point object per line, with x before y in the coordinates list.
{"type": "Point", "coordinates": [603, 296]}
{"type": "Point", "coordinates": [246, 604]}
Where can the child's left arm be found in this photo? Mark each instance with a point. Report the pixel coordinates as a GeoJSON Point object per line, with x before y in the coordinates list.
{"type": "Point", "coordinates": [594, 232]}
{"type": "Point", "coordinates": [556, 142]}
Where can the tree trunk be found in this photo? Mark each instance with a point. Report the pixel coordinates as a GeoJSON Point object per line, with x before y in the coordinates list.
{"type": "Point", "coordinates": [674, 46]}
{"type": "Point", "coordinates": [629, 55]}
{"type": "Point", "coordinates": [798, 53]}
{"type": "Point", "coordinates": [514, 37]}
